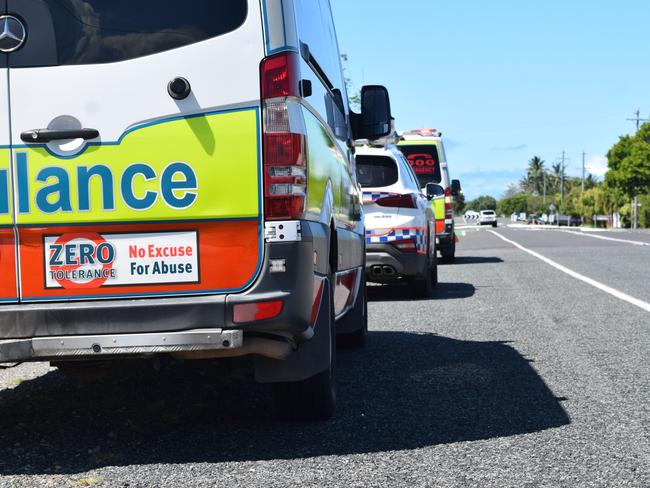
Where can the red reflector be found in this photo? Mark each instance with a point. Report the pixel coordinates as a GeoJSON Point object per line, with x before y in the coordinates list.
{"type": "Point", "coordinates": [319, 286]}
{"type": "Point", "coordinates": [344, 291]}
{"type": "Point", "coordinates": [252, 312]}
{"type": "Point", "coordinates": [284, 148]}
{"type": "Point", "coordinates": [406, 245]}
{"type": "Point", "coordinates": [398, 201]}
{"type": "Point", "coordinates": [284, 208]}
{"type": "Point", "coordinates": [280, 76]}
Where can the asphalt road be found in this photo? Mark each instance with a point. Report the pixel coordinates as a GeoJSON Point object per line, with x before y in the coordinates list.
{"type": "Point", "coordinates": [515, 375]}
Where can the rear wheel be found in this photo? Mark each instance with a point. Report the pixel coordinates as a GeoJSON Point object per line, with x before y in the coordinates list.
{"type": "Point", "coordinates": [312, 399]}
{"type": "Point", "coordinates": [434, 271]}
{"type": "Point", "coordinates": [423, 286]}
{"type": "Point", "coordinates": [448, 253]}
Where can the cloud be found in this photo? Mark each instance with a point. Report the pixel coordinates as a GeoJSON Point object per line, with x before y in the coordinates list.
{"type": "Point", "coordinates": [597, 165]}
{"type": "Point", "coordinates": [518, 147]}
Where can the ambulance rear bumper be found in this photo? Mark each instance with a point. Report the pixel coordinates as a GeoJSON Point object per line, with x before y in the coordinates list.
{"type": "Point", "coordinates": [101, 346]}
{"type": "Point", "coordinates": [23, 326]}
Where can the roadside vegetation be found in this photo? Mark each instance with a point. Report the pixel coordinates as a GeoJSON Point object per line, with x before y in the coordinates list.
{"type": "Point", "coordinates": [545, 187]}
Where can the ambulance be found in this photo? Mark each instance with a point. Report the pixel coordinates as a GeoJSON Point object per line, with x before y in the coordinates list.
{"type": "Point", "coordinates": [181, 182]}
{"type": "Point", "coordinates": [425, 152]}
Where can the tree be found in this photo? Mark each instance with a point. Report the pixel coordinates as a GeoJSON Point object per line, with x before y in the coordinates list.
{"type": "Point", "coordinates": [590, 181]}
{"type": "Point", "coordinates": [536, 205]}
{"type": "Point", "coordinates": [484, 202]}
{"type": "Point", "coordinates": [586, 204]}
{"type": "Point", "coordinates": [535, 175]}
{"type": "Point", "coordinates": [511, 204]}
{"type": "Point", "coordinates": [571, 197]}
{"type": "Point", "coordinates": [629, 164]}
{"type": "Point", "coordinates": [513, 189]}
{"type": "Point", "coordinates": [597, 200]}
{"type": "Point", "coordinates": [556, 177]}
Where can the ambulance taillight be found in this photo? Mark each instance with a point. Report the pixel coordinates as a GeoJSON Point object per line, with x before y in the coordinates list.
{"type": "Point", "coordinates": [284, 140]}
{"type": "Point", "coordinates": [449, 211]}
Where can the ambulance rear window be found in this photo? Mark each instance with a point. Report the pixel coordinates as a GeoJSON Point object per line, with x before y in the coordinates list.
{"type": "Point", "coordinates": [72, 32]}
{"type": "Point", "coordinates": [376, 171]}
{"type": "Point", "coordinates": [425, 162]}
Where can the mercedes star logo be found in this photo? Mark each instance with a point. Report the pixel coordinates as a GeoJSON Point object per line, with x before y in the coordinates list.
{"type": "Point", "coordinates": [12, 34]}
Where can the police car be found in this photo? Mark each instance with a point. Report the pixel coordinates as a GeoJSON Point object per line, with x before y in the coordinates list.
{"type": "Point", "coordinates": [179, 181]}
{"type": "Point", "coordinates": [400, 225]}
{"type": "Point", "coordinates": [425, 151]}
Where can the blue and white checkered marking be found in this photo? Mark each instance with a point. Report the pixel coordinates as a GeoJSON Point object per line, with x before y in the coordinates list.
{"type": "Point", "coordinates": [381, 236]}
{"type": "Point", "coordinates": [369, 197]}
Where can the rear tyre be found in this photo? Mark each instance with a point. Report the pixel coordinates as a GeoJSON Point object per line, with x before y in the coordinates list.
{"type": "Point", "coordinates": [358, 314]}
{"type": "Point", "coordinates": [494, 225]}
{"type": "Point", "coordinates": [313, 399]}
{"type": "Point", "coordinates": [434, 271]}
{"type": "Point", "coordinates": [448, 253]}
{"type": "Point", "coordinates": [423, 286]}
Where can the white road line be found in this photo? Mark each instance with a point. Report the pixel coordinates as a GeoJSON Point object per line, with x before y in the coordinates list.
{"type": "Point", "coordinates": [605, 238]}
{"type": "Point", "coordinates": [470, 227]}
{"type": "Point", "coordinates": [607, 289]}
{"type": "Point", "coordinates": [587, 233]}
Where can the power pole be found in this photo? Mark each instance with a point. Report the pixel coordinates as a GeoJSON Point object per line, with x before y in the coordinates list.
{"type": "Point", "coordinates": [583, 171]}
{"type": "Point", "coordinates": [562, 178]}
{"type": "Point", "coordinates": [638, 120]}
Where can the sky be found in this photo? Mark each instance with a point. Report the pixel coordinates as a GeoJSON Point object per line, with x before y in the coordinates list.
{"type": "Point", "coordinates": [505, 80]}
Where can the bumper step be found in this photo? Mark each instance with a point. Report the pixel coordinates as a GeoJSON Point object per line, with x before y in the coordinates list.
{"type": "Point", "coordinates": [119, 344]}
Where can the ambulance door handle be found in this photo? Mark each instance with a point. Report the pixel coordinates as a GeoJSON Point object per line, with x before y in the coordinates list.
{"type": "Point", "coordinates": [41, 136]}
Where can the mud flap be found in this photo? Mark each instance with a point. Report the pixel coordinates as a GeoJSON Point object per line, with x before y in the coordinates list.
{"type": "Point", "coordinates": [311, 357]}
{"type": "Point", "coordinates": [353, 320]}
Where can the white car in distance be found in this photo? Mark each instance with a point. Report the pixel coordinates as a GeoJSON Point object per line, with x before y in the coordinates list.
{"type": "Point", "coordinates": [488, 217]}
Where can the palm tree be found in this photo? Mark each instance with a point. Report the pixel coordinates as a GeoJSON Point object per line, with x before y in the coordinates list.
{"type": "Point", "coordinates": [590, 181]}
{"type": "Point", "coordinates": [558, 174]}
{"type": "Point", "coordinates": [535, 175]}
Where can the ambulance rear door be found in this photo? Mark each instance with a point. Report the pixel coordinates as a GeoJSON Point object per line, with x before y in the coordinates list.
{"type": "Point", "coordinates": [135, 141]}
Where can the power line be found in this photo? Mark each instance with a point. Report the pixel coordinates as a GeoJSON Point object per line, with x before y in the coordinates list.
{"type": "Point", "coordinates": [638, 120]}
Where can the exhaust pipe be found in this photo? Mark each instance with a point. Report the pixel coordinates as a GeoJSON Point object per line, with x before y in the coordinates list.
{"type": "Point", "coordinates": [377, 271]}
{"type": "Point", "coordinates": [269, 348]}
{"type": "Point", "coordinates": [388, 270]}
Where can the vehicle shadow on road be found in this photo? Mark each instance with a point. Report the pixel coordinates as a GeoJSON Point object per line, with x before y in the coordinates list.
{"type": "Point", "coordinates": [405, 391]}
{"type": "Point", "coordinates": [476, 260]}
{"type": "Point", "coordinates": [403, 292]}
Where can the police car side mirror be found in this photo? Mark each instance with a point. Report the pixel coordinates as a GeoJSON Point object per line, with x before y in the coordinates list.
{"type": "Point", "coordinates": [375, 119]}
{"type": "Point", "coordinates": [455, 188]}
{"type": "Point", "coordinates": [434, 191]}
